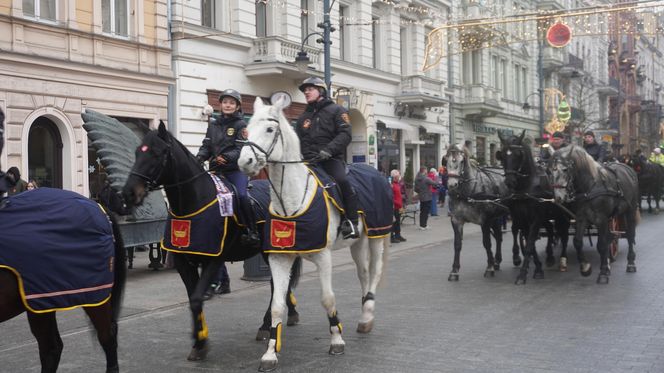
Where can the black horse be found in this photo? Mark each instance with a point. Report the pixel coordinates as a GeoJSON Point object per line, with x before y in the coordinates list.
{"type": "Point", "coordinates": [531, 201]}
{"type": "Point", "coordinates": [597, 193]}
{"type": "Point", "coordinates": [163, 160]}
{"type": "Point", "coordinates": [476, 195]}
{"type": "Point", "coordinates": [41, 222]}
{"type": "Point", "coordinates": [651, 180]}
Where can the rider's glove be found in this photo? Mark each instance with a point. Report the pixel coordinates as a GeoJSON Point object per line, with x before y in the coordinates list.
{"type": "Point", "coordinates": [324, 155]}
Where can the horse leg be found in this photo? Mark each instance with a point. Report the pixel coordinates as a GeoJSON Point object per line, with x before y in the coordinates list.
{"type": "Point", "coordinates": [603, 234]}
{"type": "Point", "coordinates": [323, 261]}
{"type": "Point", "coordinates": [562, 230]}
{"type": "Point", "coordinates": [550, 243]}
{"type": "Point", "coordinates": [45, 328]}
{"type": "Point", "coordinates": [107, 333]}
{"type": "Point", "coordinates": [280, 266]}
{"type": "Point", "coordinates": [498, 236]}
{"type": "Point", "coordinates": [457, 227]}
{"type": "Point", "coordinates": [486, 241]}
{"type": "Point", "coordinates": [264, 330]}
{"type": "Point", "coordinates": [584, 266]}
{"type": "Point", "coordinates": [533, 232]}
{"type": "Point", "coordinates": [516, 248]}
{"type": "Point", "coordinates": [291, 302]}
{"type": "Point", "coordinates": [10, 299]}
{"type": "Point", "coordinates": [649, 206]}
{"type": "Point", "coordinates": [376, 251]}
{"type": "Point", "coordinates": [630, 222]}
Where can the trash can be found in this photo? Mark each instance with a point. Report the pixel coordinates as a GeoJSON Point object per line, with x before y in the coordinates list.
{"type": "Point", "coordinates": [255, 269]}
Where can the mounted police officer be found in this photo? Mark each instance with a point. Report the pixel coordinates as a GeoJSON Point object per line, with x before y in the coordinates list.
{"type": "Point", "coordinates": [221, 150]}
{"type": "Point", "coordinates": [324, 130]}
{"type": "Point", "coordinates": [595, 150]}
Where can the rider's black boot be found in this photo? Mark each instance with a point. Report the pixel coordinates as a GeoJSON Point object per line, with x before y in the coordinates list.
{"type": "Point", "coordinates": [250, 238]}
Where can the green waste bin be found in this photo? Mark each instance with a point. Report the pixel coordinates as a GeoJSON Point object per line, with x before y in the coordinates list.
{"type": "Point", "coordinates": [255, 269]}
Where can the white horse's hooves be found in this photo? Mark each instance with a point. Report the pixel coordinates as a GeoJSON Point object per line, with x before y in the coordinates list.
{"type": "Point", "coordinates": [268, 365]}
{"type": "Point", "coordinates": [262, 335]}
{"type": "Point", "coordinates": [365, 327]}
{"type": "Point", "coordinates": [337, 349]}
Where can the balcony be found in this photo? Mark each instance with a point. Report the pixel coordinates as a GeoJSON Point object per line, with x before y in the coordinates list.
{"type": "Point", "coordinates": [552, 58]}
{"type": "Point", "coordinates": [422, 90]}
{"type": "Point", "coordinates": [573, 68]}
{"type": "Point", "coordinates": [481, 101]}
{"type": "Point", "coordinates": [612, 89]}
{"type": "Point", "coordinates": [274, 55]}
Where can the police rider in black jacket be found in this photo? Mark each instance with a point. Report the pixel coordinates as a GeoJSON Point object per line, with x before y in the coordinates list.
{"type": "Point", "coordinates": [324, 131]}
{"type": "Point", "coordinates": [219, 147]}
{"type": "Point", "coordinates": [595, 150]}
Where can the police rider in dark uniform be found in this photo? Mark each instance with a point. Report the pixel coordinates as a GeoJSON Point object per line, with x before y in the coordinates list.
{"type": "Point", "coordinates": [324, 131]}
{"type": "Point", "coordinates": [595, 150]}
{"type": "Point", "coordinates": [5, 182]}
{"type": "Point", "coordinates": [221, 150]}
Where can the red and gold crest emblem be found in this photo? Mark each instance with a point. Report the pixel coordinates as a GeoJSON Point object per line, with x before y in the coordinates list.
{"type": "Point", "coordinates": [282, 233]}
{"type": "Point", "coordinates": [180, 232]}
{"type": "Point", "coordinates": [307, 123]}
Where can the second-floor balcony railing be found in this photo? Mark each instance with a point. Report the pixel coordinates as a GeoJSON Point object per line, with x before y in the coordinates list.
{"type": "Point", "coordinates": [575, 62]}
{"type": "Point", "coordinates": [278, 49]}
{"type": "Point", "coordinates": [422, 89]}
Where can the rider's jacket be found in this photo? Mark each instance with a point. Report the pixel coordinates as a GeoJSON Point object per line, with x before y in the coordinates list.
{"type": "Point", "coordinates": [220, 140]}
{"type": "Point", "coordinates": [324, 126]}
{"type": "Point", "coordinates": [596, 151]}
{"type": "Point", "coordinates": [657, 159]}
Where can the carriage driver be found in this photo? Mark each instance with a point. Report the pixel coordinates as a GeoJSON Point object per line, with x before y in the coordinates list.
{"type": "Point", "coordinates": [219, 147]}
{"type": "Point", "coordinates": [324, 131]}
{"type": "Point", "coordinates": [556, 142]}
{"type": "Point", "coordinates": [595, 150]}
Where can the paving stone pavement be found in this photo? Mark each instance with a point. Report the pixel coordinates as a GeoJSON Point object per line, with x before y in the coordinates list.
{"type": "Point", "coordinates": [563, 323]}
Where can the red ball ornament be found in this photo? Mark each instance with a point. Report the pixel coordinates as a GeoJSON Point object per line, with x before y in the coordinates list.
{"type": "Point", "coordinates": [558, 35]}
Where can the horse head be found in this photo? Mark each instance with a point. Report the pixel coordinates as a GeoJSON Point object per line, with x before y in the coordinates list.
{"type": "Point", "coordinates": [271, 138]}
{"type": "Point", "coordinates": [515, 156]}
{"type": "Point", "coordinates": [152, 157]}
{"type": "Point", "coordinates": [455, 160]}
{"type": "Point", "coordinates": [561, 168]}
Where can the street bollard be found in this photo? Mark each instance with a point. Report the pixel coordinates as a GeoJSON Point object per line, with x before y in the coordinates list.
{"type": "Point", "coordinates": [255, 269]}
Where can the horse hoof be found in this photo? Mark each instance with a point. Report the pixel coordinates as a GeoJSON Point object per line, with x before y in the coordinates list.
{"type": "Point", "coordinates": [262, 335]}
{"type": "Point", "coordinates": [453, 277]}
{"type": "Point", "coordinates": [197, 354]}
{"type": "Point", "coordinates": [602, 279]}
{"type": "Point", "coordinates": [520, 280]}
{"type": "Point", "coordinates": [115, 369]}
{"type": "Point", "coordinates": [365, 327]}
{"type": "Point", "coordinates": [550, 261]}
{"type": "Point", "coordinates": [336, 349]}
{"type": "Point", "coordinates": [516, 261]}
{"type": "Point", "coordinates": [588, 271]}
{"type": "Point", "coordinates": [293, 319]}
{"type": "Point", "coordinates": [267, 365]}
{"type": "Point", "coordinates": [538, 275]}
{"type": "Point", "coordinates": [631, 268]}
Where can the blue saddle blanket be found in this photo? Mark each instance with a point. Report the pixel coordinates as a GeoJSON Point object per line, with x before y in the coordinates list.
{"type": "Point", "coordinates": [374, 197]}
{"type": "Point", "coordinates": [60, 246]}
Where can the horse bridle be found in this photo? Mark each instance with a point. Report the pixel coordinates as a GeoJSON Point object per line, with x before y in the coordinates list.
{"type": "Point", "coordinates": [569, 168]}
{"type": "Point", "coordinates": [461, 175]}
{"type": "Point", "coordinates": [519, 171]}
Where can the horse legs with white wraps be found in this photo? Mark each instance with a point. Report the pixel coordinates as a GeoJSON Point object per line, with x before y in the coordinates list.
{"type": "Point", "coordinates": [368, 255]}
{"type": "Point", "coordinates": [497, 233]}
{"type": "Point", "coordinates": [584, 266]}
{"type": "Point", "coordinates": [630, 221]}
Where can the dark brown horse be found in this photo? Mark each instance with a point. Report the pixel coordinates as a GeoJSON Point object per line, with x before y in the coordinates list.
{"type": "Point", "coordinates": [43, 324]}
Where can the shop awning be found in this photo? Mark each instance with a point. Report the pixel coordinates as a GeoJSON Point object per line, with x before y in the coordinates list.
{"type": "Point", "coordinates": [433, 128]}
{"type": "Point", "coordinates": [394, 124]}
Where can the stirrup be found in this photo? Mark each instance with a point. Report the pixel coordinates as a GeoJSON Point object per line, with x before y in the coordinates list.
{"type": "Point", "coordinates": [349, 229]}
{"type": "Point", "coordinates": [250, 239]}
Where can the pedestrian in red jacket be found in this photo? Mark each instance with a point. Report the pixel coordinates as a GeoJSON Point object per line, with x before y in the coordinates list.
{"type": "Point", "coordinates": [398, 207]}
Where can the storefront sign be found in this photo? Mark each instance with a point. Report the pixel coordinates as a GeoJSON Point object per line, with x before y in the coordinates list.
{"type": "Point", "coordinates": [479, 127]}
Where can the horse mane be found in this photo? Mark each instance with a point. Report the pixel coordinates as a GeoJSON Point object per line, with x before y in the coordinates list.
{"type": "Point", "coordinates": [584, 162]}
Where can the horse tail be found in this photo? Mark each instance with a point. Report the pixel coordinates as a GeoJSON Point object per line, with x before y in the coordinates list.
{"type": "Point", "coordinates": [119, 270]}
{"type": "Point", "coordinates": [296, 272]}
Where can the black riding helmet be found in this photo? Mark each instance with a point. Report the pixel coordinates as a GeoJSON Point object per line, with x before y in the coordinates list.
{"type": "Point", "coordinates": [234, 94]}
{"type": "Point", "coordinates": [314, 82]}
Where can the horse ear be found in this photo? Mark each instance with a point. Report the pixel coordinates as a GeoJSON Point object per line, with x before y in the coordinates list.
{"type": "Point", "coordinates": [258, 104]}
{"type": "Point", "coordinates": [163, 132]}
{"type": "Point", "coordinates": [280, 104]}
{"type": "Point", "coordinates": [523, 134]}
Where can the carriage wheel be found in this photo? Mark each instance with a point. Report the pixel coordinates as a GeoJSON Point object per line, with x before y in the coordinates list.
{"type": "Point", "coordinates": [614, 229]}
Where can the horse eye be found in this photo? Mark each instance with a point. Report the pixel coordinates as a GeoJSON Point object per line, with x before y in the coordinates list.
{"type": "Point", "coordinates": [270, 129]}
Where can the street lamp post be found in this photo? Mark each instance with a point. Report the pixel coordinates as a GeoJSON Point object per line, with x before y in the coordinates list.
{"type": "Point", "coordinates": [540, 87]}
{"type": "Point", "coordinates": [302, 60]}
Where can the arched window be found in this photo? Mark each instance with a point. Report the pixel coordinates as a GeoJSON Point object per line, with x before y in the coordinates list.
{"type": "Point", "coordinates": [45, 153]}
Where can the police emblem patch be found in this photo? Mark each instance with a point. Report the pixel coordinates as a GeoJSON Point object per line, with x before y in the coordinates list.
{"type": "Point", "coordinates": [230, 131]}
{"type": "Point", "coordinates": [307, 123]}
{"type": "Point", "coordinates": [345, 117]}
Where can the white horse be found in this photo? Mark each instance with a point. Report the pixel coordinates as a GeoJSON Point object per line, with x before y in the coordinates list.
{"type": "Point", "coordinates": [272, 142]}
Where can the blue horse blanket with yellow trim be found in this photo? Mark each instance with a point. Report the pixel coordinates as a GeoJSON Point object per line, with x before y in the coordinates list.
{"type": "Point", "coordinates": [60, 246]}
{"type": "Point", "coordinates": [200, 233]}
{"type": "Point", "coordinates": [305, 232]}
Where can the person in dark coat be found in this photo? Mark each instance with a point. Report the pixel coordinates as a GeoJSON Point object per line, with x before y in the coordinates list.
{"type": "Point", "coordinates": [19, 185]}
{"type": "Point", "coordinates": [324, 130]}
{"type": "Point", "coordinates": [5, 182]}
{"type": "Point", "coordinates": [595, 150]}
{"type": "Point", "coordinates": [221, 150]}
{"type": "Point", "coordinates": [423, 189]}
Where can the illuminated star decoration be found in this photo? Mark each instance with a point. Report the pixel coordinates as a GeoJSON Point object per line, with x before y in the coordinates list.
{"type": "Point", "coordinates": [434, 49]}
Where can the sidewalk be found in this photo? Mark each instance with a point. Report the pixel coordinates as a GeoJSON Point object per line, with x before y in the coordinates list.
{"type": "Point", "coordinates": [141, 284]}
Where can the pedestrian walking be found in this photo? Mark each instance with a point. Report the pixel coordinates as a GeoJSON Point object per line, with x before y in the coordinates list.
{"type": "Point", "coordinates": [398, 207]}
{"type": "Point", "coordinates": [433, 175]}
{"type": "Point", "coordinates": [423, 189]}
{"type": "Point", "coordinates": [442, 191]}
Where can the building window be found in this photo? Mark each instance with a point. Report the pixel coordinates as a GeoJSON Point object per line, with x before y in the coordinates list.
{"type": "Point", "coordinates": [524, 84]}
{"type": "Point", "coordinates": [375, 34]}
{"type": "Point", "coordinates": [261, 19]}
{"type": "Point", "coordinates": [494, 72]}
{"type": "Point", "coordinates": [45, 153]}
{"type": "Point", "coordinates": [304, 18]}
{"type": "Point", "coordinates": [477, 67]}
{"type": "Point", "coordinates": [517, 83]}
{"type": "Point", "coordinates": [344, 35]}
{"type": "Point", "coordinates": [115, 17]}
{"type": "Point", "coordinates": [403, 41]}
{"type": "Point", "coordinates": [503, 76]}
{"type": "Point", "coordinates": [40, 9]}
{"type": "Point", "coordinates": [431, 73]}
{"type": "Point", "coordinates": [207, 13]}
